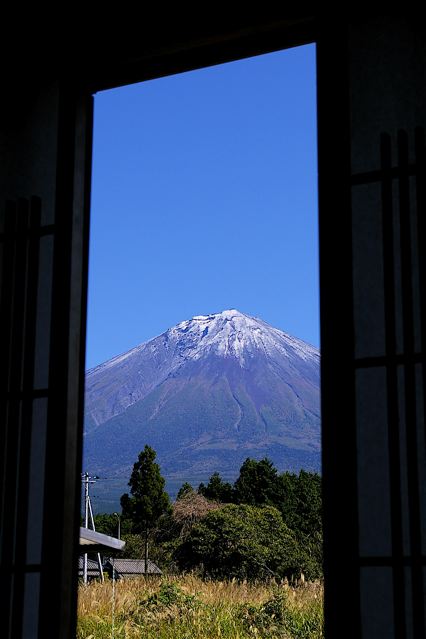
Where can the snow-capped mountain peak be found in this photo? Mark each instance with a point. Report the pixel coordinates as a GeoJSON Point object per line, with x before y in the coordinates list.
{"type": "Point", "coordinates": [230, 335]}
{"type": "Point", "coordinates": [235, 334]}
{"type": "Point", "coordinates": [205, 394]}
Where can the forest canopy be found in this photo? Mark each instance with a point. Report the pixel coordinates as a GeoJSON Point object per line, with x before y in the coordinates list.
{"type": "Point", "coordinates": [266, 524]}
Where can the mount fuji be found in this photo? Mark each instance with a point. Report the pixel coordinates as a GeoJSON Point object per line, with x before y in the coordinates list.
{"type": "Point", "coordinates": [206, 394]}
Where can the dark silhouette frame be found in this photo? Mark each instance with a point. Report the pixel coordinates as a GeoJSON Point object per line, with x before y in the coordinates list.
{"type": "Point", "coordinates": [371, 116]}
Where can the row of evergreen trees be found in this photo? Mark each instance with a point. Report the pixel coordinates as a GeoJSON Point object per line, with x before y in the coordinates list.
{"type": "Point", "coordinates": [266, 524]}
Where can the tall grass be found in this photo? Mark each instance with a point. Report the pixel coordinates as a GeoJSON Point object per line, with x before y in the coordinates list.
{"type": "Point", "coordinates": [190, 608]}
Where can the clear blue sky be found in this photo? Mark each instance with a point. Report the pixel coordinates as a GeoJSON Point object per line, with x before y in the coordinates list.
{"type": "Point", "coordinates": [204, 197]}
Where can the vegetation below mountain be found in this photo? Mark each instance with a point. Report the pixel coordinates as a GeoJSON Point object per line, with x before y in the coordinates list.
{"type": "Point", "coordinates": [265, 525]}
{"type": "Point", "coordinates": [189, 607]}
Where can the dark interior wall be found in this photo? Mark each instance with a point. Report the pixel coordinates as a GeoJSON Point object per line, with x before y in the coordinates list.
{"type": "Point", "coordinates": [119, 46]}
{"type": "Point", "coordinates": [28, 144]}
{"type": "Point", "coordinates": [388, 121]}
{"type": "Point", "coordinates": [371, 103]}
{"type": "Point", "coordinates": [28, 157]}
{"type": "Point", "coordinates": [388, 73]}
{"type": "Point", "coordinates": [45, 182]}
{"type": "Point", "coordinates": [372, 116]}
{"type": "Point", "coordinates": [45, 155]}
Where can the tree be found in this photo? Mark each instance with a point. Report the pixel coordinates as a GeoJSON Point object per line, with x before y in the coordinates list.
{"type": "Point", "coordinates": [189, 509]}
{"type": "Point", "coordinates": [310, 501]}
{"type": "Point", "coordinates": [185, 489]}
{"type": "Point", "coordinates": [257, 483]}
{"type": "Point", "coordinates": [217, 489]}
{"type": "Point", "coordinates": [241, 541]}
{"type": "Point", "coordinates": [148, 500]}
{"type": "Point", "coordinates": [299, 501]}
{"type": "Point", "coordinates": [107, 523]}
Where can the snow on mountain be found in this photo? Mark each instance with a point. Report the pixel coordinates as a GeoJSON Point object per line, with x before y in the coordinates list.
{"type": "Point", "coordinates": [229, 333]}
{"type": "Point", "coordinates": [235, 334]}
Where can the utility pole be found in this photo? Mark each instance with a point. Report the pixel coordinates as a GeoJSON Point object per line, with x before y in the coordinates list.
{"type": "Point", "coordinates": [88, 512]}
{"type": "Point", "coordinates": [119, 525]}
{"type": "Point", "coordinates": [146, 549]}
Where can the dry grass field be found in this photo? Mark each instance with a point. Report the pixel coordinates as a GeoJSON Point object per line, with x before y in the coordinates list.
{"type": "Point", "coordinates": [189, 608]}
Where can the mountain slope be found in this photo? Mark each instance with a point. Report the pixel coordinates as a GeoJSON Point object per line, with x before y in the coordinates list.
{"type": "Point", "coordinates": [206, 394]}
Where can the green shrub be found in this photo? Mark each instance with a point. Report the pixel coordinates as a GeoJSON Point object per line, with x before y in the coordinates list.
{"type": "Point", "coordinates": [276, 617]}
{"type": "Point", "coordinates": [170, 595]}
{"type": "Point", "coordinates": [241, 542]}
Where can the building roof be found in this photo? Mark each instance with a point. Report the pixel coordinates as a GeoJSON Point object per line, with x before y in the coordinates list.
{"type": "Point", "coordinates": [134, 567]}
{"type": "Point", "coordinates": [92, 541]}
